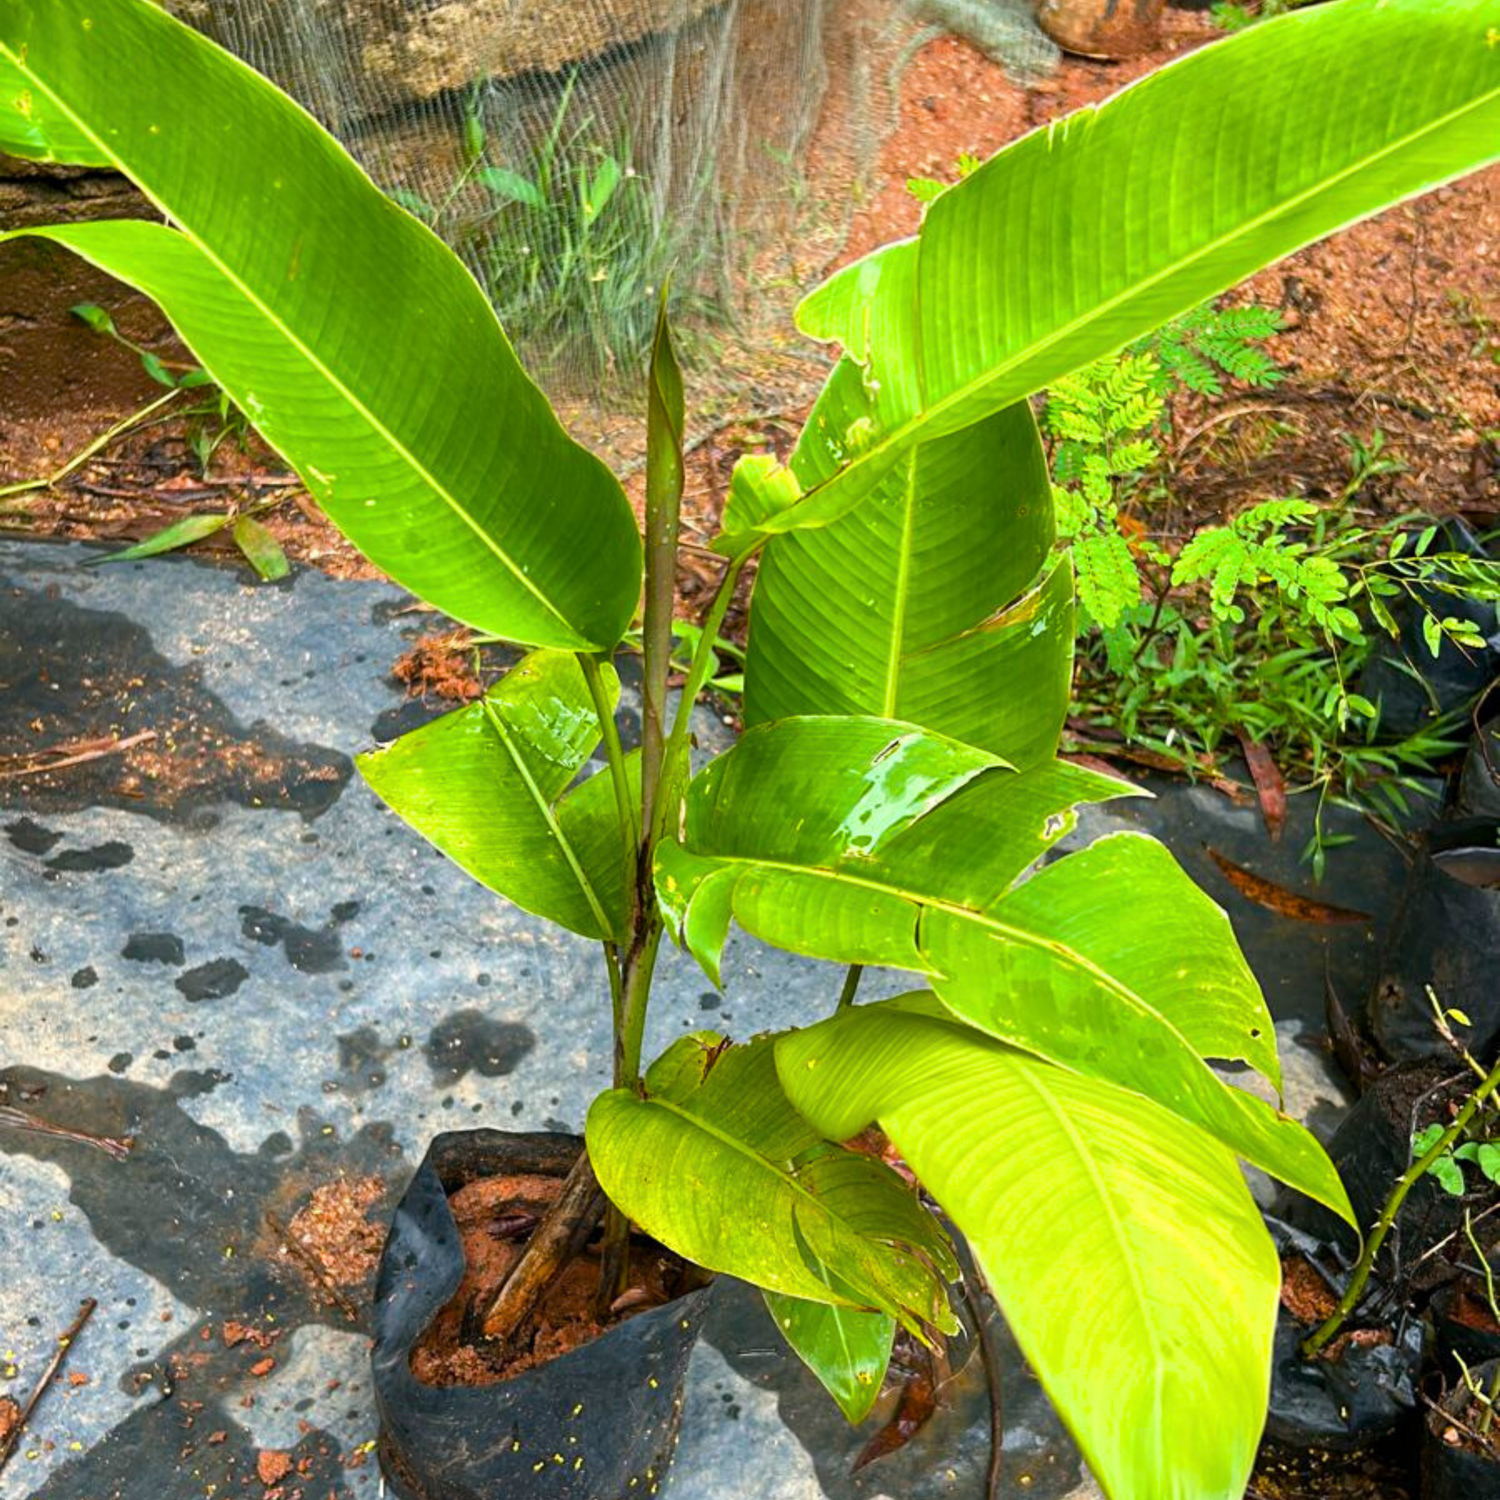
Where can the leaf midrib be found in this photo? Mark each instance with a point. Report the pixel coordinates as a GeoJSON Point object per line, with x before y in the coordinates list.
{"type": "Point", "coordinates": [902, 593]}
{"type": "Point", "coordinates": [380, 429]}
{"type": "Point", "coordinates": [749, 1153]}
{"type": "Point", "coordinates": [895, 441]}
{"type": "Point", "coordinates": [549, 817]}
{"type": "Point", "coordinates": [1023, 938]}
{"type": "Point", "coordinates": [952, 908]}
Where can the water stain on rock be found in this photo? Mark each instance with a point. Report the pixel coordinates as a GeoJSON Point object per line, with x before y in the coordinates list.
{"type": "Point", "coordinates": [216, 980]}
{"type": "Point", "coordinates": [183, 1207]}
{"type": "Point", "coordinates": [471, 1041]}
{"type": "Point", "coordinates": [192, 1214]}
{"type": "Point", "coordinates": [362, 1059]}
{"type": "Point", "coordinates": [154, 948]}
{"type": "Point", "coordinates": [312, 950]}
{"type": "Point", "coordinates": [113, 855]}
{"type": "Point", "coordinates": [30, 837]}
{"type": "Point", "coordinates": [75, 677]}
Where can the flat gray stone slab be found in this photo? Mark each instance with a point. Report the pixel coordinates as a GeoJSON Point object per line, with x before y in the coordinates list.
{"type": "Point", "coordinates": [220, 944]}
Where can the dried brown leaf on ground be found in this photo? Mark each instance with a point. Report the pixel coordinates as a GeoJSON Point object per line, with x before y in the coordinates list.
{"type": "Point", "coordinates": [1283, 902]}
{"type": "Point", "coordinates": [1270, 785]}
{"type": "Point", "coordinates": [913, 1412]}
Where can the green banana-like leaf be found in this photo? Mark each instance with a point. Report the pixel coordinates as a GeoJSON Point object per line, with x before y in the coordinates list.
{"type": "Point", "coordinates": [35, 129]}
{"type": "Point", "coordinates": [1111, 963]}
{"type": "Point", "coordinates": [1092, 231]}
{"type": "Point", "coordinates": [1122, 1245]}
{"type": "Point", "coordinates": [848, 1350]}
{"type": "Point", "coordinates": [907, 607]}
{"type": "Point", "coordinates": [715, 1164]}
{"type": "Point", "coordinates": [350, 334]}
{"type": "Point", "coordinates": [486, 785]}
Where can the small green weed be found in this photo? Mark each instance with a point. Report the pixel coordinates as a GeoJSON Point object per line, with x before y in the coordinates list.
{"type": "Point", "coordinates": [1254, 628]}
{"type": "Point", "coordinates": [1448, 1168]}
{"type": "Point", "coordinates": [1234, 16]}
{"type": "Point", "coordinates": [569, 243]}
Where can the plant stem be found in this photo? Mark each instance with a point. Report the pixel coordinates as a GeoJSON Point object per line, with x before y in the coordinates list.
{"type": "Point", "coordinates": [556, 1239]}
{"type": "Point", "coordinates": [639, 968]}
{"type": "Point", "coordinates": [851, 986]}
{"type": "Point", "coordinates": [697, 676]}
{"type": "Point", "coordinates": [1487, 1418]}
{"type": "Point", "coordinates": [630, 829]}
{"type": "Point", "coordinates": [101, 442]}
{"type": "Point", "coordinates": [664, 485]}
{"type": "Point", "coordinates": [616, 986]}
{"type": "Point", "coordinates": [1413, 1174]}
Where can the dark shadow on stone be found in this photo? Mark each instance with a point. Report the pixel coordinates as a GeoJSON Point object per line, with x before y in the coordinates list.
{"type": "Point", "coordinates": [73, 676]}
{"type": "Point", "coordinates": [313, 950]}
{"type": "Point", "coordinates": [215, 980]}
{"type": "Point", "coordinates": [471, 1041]}
{"type": "Point", "coordinates": [191, 1213]}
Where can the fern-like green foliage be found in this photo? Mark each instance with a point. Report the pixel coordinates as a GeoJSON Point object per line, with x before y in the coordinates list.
{"type": "Point", "coordinates": [1256, 549]}
{"type": "Point", "coordinates": [1105, 423]}
{"type": "Point", "coordinates": [1201, 347]}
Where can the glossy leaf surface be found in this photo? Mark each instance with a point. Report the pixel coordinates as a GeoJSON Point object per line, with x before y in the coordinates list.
{"type": "Point", "coordinates": [1110, 962]}
{"type": "Point", "coordinates": [909, 607]}
{"type": "Point", "coordinates": [719, 1167]}
{"type": "Point", "coordinates": [350, 335]}
{"type": "Point", "coordinates": [35, 128]}
{"type": "Point", "coordinates": [1123, 1247]}
{"type": "Point", "coordinates": [486, 784]}
{"type": "Point", "coordinates": [1093, 230]}
{"type": "Point", "coordinates": [848, 1350]}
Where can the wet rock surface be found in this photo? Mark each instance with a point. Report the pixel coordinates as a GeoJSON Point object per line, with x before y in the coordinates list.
{"type": "Point", "coordinates": [281, 988]}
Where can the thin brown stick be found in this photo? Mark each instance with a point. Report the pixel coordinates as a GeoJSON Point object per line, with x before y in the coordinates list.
{"type": "Point", "coordinates": [118, 1148]}
{"type": "Point", "coordinates": [991, 1365]}
{"type": "Point", "coordinates": [315, 1267]}
{"type": "Point", "coordinates": [1486, 1443]}
{"type": "Point", "coordinates": [85, 1312]}
{"type": "Point", "coordinates": [577, 1210]}
{"type": "Point", "coordinates": [86, 750]}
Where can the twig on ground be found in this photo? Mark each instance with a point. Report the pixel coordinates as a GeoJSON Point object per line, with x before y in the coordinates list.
{"type": "Point", "coordinates": [64, 1344]}
{"type": "Point", "coordinates": [315, 1267]}
{"type": "Point", "coordinates": [81, 752]}
{"type": "Point", "coordinates": [118, 1148]}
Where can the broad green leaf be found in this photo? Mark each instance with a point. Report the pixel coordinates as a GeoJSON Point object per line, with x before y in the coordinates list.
{"type": "Point", "coordinates": [848, 1350]}
{"type": "Point", "coordinates": [349, 334]}
{"type": "Point", "coordinates": [181, 533]}
{"type": "Point", "coordinates": [1111, 962]}
{"type": "Point", "coordinates": [1122, 1245]}
{"type": "Point", "coordinates": [262, 550]}
{"type": "Point", "coordinates": [715, 1164]}
{"type": "Point", "coordinates": [486, 783]}
{"type": "Point", "coordinates": [1099, 227]}
{"type": "Point", "coordinates": [906, 608]}
{"type": "Point", "coordinates": [34, 128]}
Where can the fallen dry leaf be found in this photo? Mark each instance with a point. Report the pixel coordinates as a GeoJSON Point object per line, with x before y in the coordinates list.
{"type": "Point", "coordinates": [1269, 785]}
{"type": "Point", "coordinates": [913, 1411]}
{"type": "Point", "coordinates": [1277, 898]}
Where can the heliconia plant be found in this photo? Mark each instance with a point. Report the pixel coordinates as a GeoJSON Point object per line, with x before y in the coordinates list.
{"type": "Point", "coordinates": [907, 677]}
